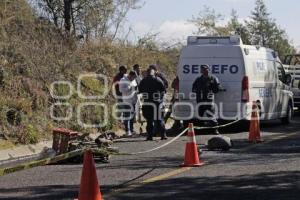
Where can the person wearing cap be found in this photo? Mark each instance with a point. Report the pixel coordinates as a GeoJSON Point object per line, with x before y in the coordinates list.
{"type": "Point", "coordinates": [127, 87]}
{"type": "Point", "coordinates": [117, 93]}
{"type": "Point", "coordinates": [160, 75]}
{"type": "Point", "coordinates": [153, 89]}
{"type": "Point", "coordinates": [205, 87]}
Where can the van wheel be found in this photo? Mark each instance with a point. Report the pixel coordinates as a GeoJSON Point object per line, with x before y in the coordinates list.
{"type": "Point", "coordinates": [289, 115]}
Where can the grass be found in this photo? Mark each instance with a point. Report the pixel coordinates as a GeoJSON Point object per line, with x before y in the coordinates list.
{"type": "Point", "coordinates": [6, 144]}
{"type": "Point", "coordinates": [93, 85]}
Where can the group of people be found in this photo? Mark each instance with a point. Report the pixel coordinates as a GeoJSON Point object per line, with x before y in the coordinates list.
{"type": "Point", "coordinates": [133, 87]}
{"type": "Point", "coordinates": [150, 87]}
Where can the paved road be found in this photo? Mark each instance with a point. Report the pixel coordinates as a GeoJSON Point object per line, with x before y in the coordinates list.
{"type": "Point", "coordinates": [266, 171]}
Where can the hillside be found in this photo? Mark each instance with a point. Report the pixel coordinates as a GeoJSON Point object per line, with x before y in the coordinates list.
{"type": "Point", "coordinates": [34, 54]}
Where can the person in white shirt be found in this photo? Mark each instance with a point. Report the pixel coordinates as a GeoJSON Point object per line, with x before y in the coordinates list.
{"type": "Point", "coordinates": [127, 87]}
{"type": "Point", "coordinates": [138, 106]}
{"type": "Point", "coordinates": [136, 68]}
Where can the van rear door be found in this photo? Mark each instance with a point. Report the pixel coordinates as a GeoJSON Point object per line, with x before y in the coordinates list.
{"type": "Point", "coordinates": [226, 63]}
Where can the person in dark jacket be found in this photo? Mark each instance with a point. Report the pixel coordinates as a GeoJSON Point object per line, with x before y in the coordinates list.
{"type": "Point", "coordinates": [153, 89]}
{"type": "Point", "coordinates": [205, 87]}
{"type": "Point", "coordinates": [160, 75]}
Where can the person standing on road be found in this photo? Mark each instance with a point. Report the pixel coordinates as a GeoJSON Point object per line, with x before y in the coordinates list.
{"type": "Point", "coordinates": [129, 98]}
{"type": "Point", "coordinates": [116, 80]}
{"type": "Point", "coordinates": [166, 85]}
{"type": "Point", "coordinates": [160, 75]}
{"type": "Point", "coordinates": [116, 90]}
{"type": "Point", "coordinates": [205, 87]}
{"type": "Point", "coordinates": [153, 89]}
{"type": "Point", "coordinates": [138, 79]}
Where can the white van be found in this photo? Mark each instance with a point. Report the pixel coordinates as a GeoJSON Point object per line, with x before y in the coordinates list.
{"type": "Point", "coordinates": [246, 73]}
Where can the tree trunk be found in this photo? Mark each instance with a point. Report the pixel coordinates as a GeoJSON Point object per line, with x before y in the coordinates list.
{"type": "Point", "coordinates": [73, 20]}
{"type": "Point", "coordinates": [67, 15]}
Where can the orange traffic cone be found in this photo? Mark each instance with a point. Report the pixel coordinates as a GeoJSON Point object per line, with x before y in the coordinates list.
{"type": "Point", "coordinates": [254, 131]}
{"type": "Point", "coordinates": [89, 187]}
{"type": "Point", "coordinates": [191, 158]}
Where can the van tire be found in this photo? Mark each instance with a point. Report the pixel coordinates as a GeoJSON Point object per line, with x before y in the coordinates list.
{"type": "Point", "coordinates": [288, 118]}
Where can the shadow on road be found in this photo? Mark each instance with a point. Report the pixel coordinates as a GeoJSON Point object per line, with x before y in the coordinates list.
{"type": "Point", "coordinates": [275, 186]}
{"type": "Point", "coordinates": [41, 192]}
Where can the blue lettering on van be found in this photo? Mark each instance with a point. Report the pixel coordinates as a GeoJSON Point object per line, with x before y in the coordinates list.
{"type": "Point", "coordinates": [195, 69]}
{"type": "Point", "coordinates": [186, 69]}
{"type": "Point", "coordinates": [224, 68]}
{"type": "Point", "coordinates": [265, 92]}
{"type": "Point", "coordinates": [233, 69]}
{"type": "Point", "coordinates": [215, 69]}
{"type": "Point", "coordinates": [260, 66]}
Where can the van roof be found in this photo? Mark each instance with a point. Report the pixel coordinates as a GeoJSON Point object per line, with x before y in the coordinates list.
{"type": "Point", "coordinates": [228, 40]}
{"type": "Point", "coordinates": [234, 41]}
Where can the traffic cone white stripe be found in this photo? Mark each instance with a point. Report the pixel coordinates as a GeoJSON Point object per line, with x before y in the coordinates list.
{"type": "Point", "coordinates": [191, 135]}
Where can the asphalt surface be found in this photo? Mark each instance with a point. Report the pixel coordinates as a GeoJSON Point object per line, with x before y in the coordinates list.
{"type": "Point", "coordinates": [270, 170]}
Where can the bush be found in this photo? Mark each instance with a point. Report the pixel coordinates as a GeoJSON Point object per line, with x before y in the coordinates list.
{"type": "Point", "coordinates": [29, 135]}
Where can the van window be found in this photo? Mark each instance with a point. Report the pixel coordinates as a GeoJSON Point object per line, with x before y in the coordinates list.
{"type": "Point", "coordinates": [281, 72]}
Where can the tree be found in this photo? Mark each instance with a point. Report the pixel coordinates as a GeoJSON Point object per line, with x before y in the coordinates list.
{"type": "Point", "coordinates": [207, 22]}
{"type": "Point", "coordinates": [90, 18]}
{"type": "Point", "coordinates": [261, 26]}
{"type": "Point", "coordinates": [234, 24]}
{"type": "Point", "coordinates": [264, 31]}
{"type": "Point", "coordinates": [51, 9]}
{"type": "Point", "coordinates": [261, 29]}
{"type": "Point", "coordinates": [237, 28]}
{"type": "Point", "coordinates": [67, 15]}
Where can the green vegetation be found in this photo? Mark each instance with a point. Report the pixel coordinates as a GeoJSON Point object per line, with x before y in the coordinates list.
{"type": "Point", "coordinates": [93, 84]}
{"type": "Point", "coordinates": [31, 135]}
{"type": "Point", "coordinates": [5, 144]}
{"type": "Point", "coordinates": [35, 51]}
